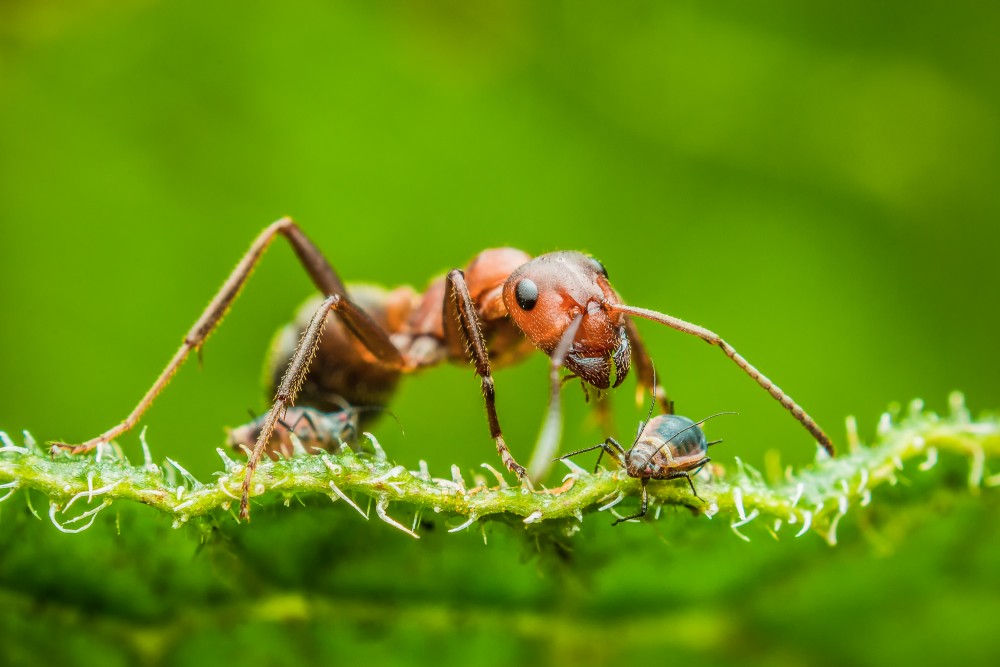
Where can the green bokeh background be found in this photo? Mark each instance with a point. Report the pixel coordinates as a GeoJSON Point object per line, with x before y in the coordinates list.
{"type": "Point", "coordinates": [817, 184]}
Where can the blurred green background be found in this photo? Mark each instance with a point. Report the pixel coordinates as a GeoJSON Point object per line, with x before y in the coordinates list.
{"type": "Point", "coordinates": [817, 184]}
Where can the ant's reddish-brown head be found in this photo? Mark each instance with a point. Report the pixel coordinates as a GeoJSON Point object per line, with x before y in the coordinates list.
{"type": "Point", "coordinates": [543, 297]}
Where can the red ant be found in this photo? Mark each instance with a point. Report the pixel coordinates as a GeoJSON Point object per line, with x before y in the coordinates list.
{"type": "Point", "coordinates": [561, 303]}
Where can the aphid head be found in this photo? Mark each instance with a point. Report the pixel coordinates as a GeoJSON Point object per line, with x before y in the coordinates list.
{"type": "Point", "coordinates": [543, 297]}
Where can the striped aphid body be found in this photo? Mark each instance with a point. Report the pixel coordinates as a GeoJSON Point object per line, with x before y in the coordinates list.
{"type": "Point", "coordinates": [667, 447]}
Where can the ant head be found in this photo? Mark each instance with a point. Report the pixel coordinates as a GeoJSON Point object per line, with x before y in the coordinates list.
{"type": "Point", "coordinates": [543, 297]}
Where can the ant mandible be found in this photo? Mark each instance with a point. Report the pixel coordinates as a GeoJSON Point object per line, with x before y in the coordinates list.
{"type": "Point", "coordinates": [560, 302]}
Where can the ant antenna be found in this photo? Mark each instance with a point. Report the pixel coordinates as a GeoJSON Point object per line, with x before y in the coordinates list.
{"type": "Point", "coordinates": [686, 428]}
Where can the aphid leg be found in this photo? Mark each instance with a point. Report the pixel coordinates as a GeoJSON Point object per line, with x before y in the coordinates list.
{"type": "Point", "coordinates": [307, 418]}
{"type": "Point", "coordinates": [644, 369]}
{"type": "Point", "coordinates": [606, 446]}
{"type": "Point", "coordinates": [642, 507]}
{"type": "Point", "coordinates": [462, 331]}
{"type": "Point", "coordinates": [551, 433]}
{"type": "Point", "coordinates": [618, 456]}
{"type": "Point", "coordinates": [687, 474]}
{"type": "Point", "coordinates": [713, 338]}
{"type": "Point", "coordinates": [322, 274]}
{"type": "Point", "coordinates": [373, 337]}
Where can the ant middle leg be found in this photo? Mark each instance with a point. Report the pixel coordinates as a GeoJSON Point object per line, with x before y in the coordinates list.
{"type": "Point", "coordinates": [551, 433]}
{"type": "Point", "coordinates": [322, 274]}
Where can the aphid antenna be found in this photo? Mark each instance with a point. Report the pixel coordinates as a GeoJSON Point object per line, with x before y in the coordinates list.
{"type": "Point", "coordinates": [604, 445]}
{"type": "Point", "coordinates": [382, 408]}
{"type": "Point", "coordinates": [649, 414]}
{"type": "Point", "coordinates": [347, 407]}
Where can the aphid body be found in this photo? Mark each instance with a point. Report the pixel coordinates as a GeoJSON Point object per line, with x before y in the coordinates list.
{"type": "Point", "coordinates": [666, 447]}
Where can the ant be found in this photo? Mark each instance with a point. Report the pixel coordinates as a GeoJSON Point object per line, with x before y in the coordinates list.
{"type": "Point", "coordinates": [665, 447]}
{"type": "Point", "coordinates": [504, 301]}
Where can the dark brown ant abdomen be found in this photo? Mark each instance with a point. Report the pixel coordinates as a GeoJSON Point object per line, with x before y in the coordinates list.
{"type": "Point", "coordinates": [342, 369]}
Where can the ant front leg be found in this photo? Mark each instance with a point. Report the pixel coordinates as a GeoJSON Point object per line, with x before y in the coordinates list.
{"type": "Point", "coordinates": [551, 434]}
{"type": "Point", "coordinates": [365, 329]}
{"type": "Point", "coordinates": [322, 274]}
{"type": "Point", "coordinates": [462, 325]}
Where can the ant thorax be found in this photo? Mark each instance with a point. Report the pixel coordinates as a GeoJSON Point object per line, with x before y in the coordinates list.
{"type": "Point", "coordinates": [667, 443]}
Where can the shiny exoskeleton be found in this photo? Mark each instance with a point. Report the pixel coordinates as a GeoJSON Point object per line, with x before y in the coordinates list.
{"type": "Point", "coordinates": [667, 447]}
{"type": "Point", "coordinates": [354, 344]}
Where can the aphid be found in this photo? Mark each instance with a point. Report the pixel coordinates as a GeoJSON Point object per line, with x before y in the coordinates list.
{"type": "Point", "coordinates": [357, 343]}
{"type": "Point", "coordinates": [314, 429]}
{"type": "Point", "coordinates": [666, 447]}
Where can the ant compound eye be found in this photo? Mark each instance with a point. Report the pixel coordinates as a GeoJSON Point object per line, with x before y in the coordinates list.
{"type": "Point", "coordinates": [599, 267]}
{"type": "Point", "coordinates": [526, 294]}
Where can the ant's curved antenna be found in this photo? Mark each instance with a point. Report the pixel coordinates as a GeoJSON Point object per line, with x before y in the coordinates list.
{"type": "Point", "coordinates": [686, 428]}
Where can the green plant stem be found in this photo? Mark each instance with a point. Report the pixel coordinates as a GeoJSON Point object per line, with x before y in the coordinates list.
{"type": "Point", "coordinates": [814, 498]}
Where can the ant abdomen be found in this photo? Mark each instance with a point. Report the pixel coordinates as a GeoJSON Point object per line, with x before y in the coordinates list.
{"type": "Point", "coordinates": [342, 370]}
